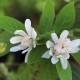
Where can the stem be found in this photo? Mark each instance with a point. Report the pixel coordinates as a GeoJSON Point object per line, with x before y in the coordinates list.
{"type": "Point", "coordinates": [12, 64]}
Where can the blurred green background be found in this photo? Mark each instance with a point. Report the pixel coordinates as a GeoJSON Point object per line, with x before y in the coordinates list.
{"type": "Point", "coordinates": [13, 67]}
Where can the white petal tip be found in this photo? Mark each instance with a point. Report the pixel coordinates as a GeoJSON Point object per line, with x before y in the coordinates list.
{"type": "Point", "coordinates": [66, 31]}
{"type": "Point", "coordinates": [64, 63]}
{"type": "Point", "coordinates": [43, 56]}
{"type": "Point", "coordinates": [65, 68]}
{"type": "Point", "coordinates": [46, 55]}
{"type": "Point", "coordinates": [54, 37]}
{"type": "Point", "coordinates": [16, 39]}
{"type": "Point", "coordinates": [49, 44]}
{"type": "Point", "coordinates": [28, 20]}
{"type": "Point", "coordinates": [11, 41]}
{"type": "Point", "coordinates": [53, 34]}
{"type": "Point", "coordinates": [54, 59]}
{"type": "Point", "coordinates": [13, 50]}
{"type": "Point", "coordinates": [16, 31]}
{"type": "Point", "coordinates": [23, 52]}
{"type": "Point", "coordinates": [25, 60]}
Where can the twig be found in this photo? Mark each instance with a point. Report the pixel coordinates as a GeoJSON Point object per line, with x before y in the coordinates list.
{"type": "Point", "coordinates": [12, 64]}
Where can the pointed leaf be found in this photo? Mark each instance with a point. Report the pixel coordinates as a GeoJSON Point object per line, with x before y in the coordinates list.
{"type": "Point", "coordinates": [10, 24]}
{"type": "Point", "coordinates": [64, 74]}
{"type": "Point", "coordinates": [47, 17]}
{"type": "Point", "coordinates": [5, 38]}
{"type": "Point", "coordinates": [65, 19]}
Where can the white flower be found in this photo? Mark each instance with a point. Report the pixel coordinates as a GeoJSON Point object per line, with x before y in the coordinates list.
{"type": "Point", "coordinates": [61, 48]}
{"type": "Point", "coordinates": [27, 40]}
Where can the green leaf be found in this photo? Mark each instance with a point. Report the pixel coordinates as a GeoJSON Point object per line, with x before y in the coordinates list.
{"type": "Point", "coordinates": [47, 17]}
{"type": "Point", "coordinates": [42, 41]}
{"type": "Point", "coordinates": [47, 71]}
{"type": "Point", "coordinates": [35, 54]}
{"type": "Point", "coordinates": [75, 72]}
{"type": "Point", "coordinates": [77, 21]}
{"type": "Point", "coordinates": [10, 24]}
{"type": "Point", "coordinates": [5, 38]}
{"type": "Point", "coordinates": [77, 56]}
{"type": "Point", "coordinates": [43, 38]}
{"type": "Point", "coordinates": [25, 72]}
{"type": "Point", "coordinates": [45, 35]}
{"type": "Point", "coordinates": [64, 74]}
{"type": "Point", "coordinates": [65, 19]}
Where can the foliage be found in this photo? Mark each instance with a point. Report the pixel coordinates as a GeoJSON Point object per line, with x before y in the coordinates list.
{"type": "Point", "coordinates": [64, 74]}
{"type": "Point", "coordinates": [65, 19]}
{"type": "Point", "coordinates": [75, 71]}
{"type": "Point", "coordinates": [27, 72]}
{"type": "Point", "coordinates": [44, 68]}
{"type": "Point", "coordinates": [35, 56]}
{"type": "Point", "coordinates": [47, 69]}
{"type": "Point", "coordinates": [5, 43]}
{"type": "Point", "coordinates": [10, 24]}
{"type": "Point", "coordinates": [47, 17]}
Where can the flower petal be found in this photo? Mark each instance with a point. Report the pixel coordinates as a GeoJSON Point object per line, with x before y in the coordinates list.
{"type": "Point", "coordinates": [51, 51]}
{"type": "Point", "coordinates": [17, 48]}
{"type": "Point", "coordinates": [54, 37]}
{"type": "Point", "coordinates": [26, 57]}
{"type": "Point", "coordinates": [20, 32]}
{"type": "Point", "coordinates": [66, 55]}
{"type": "Point", "coordinates": [63, 35]}
{"type": "Point", "coordinates": [75, 43]}
{"type": "Point", "coordinates": [46, 55]}
{"type": "Point", "coordinates": [54, 59]}
{"type": "Point", "coordinates": [63, 62]}
{"type": "Point", "coordinates": [73, 50]}
{"type": "Point", "coordinates": [26, 50]}
{"type": "Point", "coordinates": [34, 34]}
{"type": "Point", "coordinates": [34, 43]}
{"type": "Point", "coordinates": [28, 26]}
{"type": "Point", "coordinates": [49, 44]}
{"type": "Point", "coordinates": [16, 39]}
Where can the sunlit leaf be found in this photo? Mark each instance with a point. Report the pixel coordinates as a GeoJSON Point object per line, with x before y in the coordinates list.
{"type": "Point", "coordinates": [64, 74]}
{"type": "Point", "coordinates": [65, 19]}
{"type": "Point", "coordinates": [47, 17]}
{"type": "Point", "coordinates": [10, 24]}
{"type": "Point", "coordinates": [5, 42]}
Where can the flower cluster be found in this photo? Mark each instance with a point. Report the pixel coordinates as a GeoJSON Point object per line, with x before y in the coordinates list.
{"type": "Point", "coordinates": [60, 49]}
{"type": "Point", "coordinates": [27, 40]}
